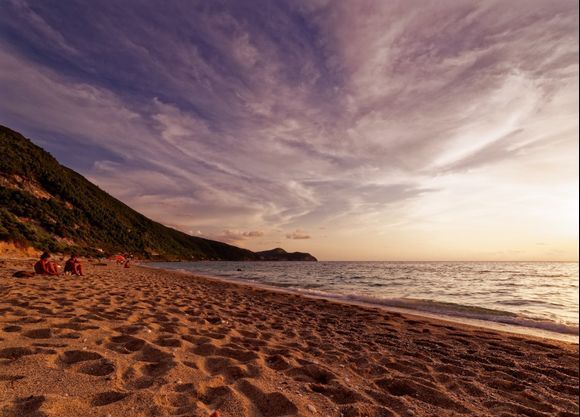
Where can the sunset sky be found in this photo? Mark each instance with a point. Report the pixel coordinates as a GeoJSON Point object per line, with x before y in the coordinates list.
{"type": "Point", "coordinates": [354, 130]}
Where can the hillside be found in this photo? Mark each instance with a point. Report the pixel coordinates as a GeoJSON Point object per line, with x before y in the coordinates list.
{"type": "Point", "coordinates": [50, 207]}
{"type": "Point", "coordinates": [280, 254]}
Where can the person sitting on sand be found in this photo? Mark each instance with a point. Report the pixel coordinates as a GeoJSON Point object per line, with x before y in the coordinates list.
{"type": "Point", "coordinates": [74, 266]}
{"type": "Point", "coordinates": [44, 266]}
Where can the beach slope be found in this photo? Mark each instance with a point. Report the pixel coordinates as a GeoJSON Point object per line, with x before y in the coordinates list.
{"type": "Point", "coordinates": [144, 342]}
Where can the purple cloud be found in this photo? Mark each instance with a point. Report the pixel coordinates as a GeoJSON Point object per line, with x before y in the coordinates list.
{"type": "Point", "coordinates": [267, 116]}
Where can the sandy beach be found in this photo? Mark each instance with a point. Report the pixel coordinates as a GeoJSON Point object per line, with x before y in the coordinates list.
{"type": "Point", "coordinates": [143, 342]}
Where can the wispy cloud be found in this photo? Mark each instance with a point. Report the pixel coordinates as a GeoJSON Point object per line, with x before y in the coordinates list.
{"type": "Point", "coordinates": [238, 116]}
{"type": "Point", "coordinates": [237, 236]}
{"type": "Point", "coordinates": [298, 235]}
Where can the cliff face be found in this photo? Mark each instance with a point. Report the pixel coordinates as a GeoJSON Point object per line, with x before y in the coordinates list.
{"type": "Point", "coordinates": [280, 254]}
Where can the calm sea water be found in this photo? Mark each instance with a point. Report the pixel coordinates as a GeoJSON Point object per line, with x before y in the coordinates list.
{"type": "Point", "coordinates": [541, 295]}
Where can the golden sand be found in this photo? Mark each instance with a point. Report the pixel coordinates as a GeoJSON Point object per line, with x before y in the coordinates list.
{"type": "Point", "coordinates": [142, 342]}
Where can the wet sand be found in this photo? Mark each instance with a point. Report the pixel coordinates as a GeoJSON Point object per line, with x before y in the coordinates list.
{"type": "Point", "coordinates": [143, 342]}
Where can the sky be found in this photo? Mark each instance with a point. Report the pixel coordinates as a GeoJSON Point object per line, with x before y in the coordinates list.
{"type": "Point", "coordinates": [352, 129]}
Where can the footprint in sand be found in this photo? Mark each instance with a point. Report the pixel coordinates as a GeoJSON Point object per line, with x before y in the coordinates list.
{"type": "Point", "coordinates": [71, 357]}
{"type": "Point", "coordinates": [227, 368]}
{"type": "Point", "coordinates": [419, 391]}
{"type": "Point", "coordinates": [11, 329]}
{"type": "Point", "coordinates": [182, 399]}
{"type": "Point", "coordinates": [269, 404]}
{"type": "Point", "coordinates": [125, 344]}
{"type": "Point", "coordinates": [25, 406]}
{"type": "Point", "coordinates": [13, 353]}
{"type": "Point", "coordinates": [91, 363]}
{"type": "Point", "coordinates": [38, 334]}
{"type": "Point", "coordinates": [73, 325]}
{"type": "Point", "coordinates": [168, 341]}
{"type": "Point", "coordinates": [277, 363]}
{"type": "Point", "coordinates": [312, 373]}
{"type": "Point", "coordinates": [134, 380]}
{"type": "Point", "coordinates": [100, 367]}
{"type": "Point", "coordinates": [109, 397]}
{"type": "Point", "coordinates": [338, 393]}
{"type": "Point", "coordinates": [156, 365]}
{"type": "Point", "coordinates": [130, 329]}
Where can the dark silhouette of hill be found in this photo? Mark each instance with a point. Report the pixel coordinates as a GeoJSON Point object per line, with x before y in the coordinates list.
{"type": "Point", "coordinates": [280, 254]}
{"type": "Point", "coordinates": [51, 207]}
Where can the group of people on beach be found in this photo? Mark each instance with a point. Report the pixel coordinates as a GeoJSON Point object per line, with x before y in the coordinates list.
{"type": "Point", "coordinates": [45, 266]}
{"type": "Point", "coordinates": [73, 266]}
{"type": "Point", "coordinates": [122, 260]}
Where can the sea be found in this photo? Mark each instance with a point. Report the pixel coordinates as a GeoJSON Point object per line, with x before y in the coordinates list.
{"type": "Point", "coordinates": [538, 298]}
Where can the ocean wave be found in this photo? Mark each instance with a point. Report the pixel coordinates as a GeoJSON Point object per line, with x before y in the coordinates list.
{"type": "Point", "coordinates": [526, 302]}
{"type": "Point", "coordinates": [546, 311]}
{"type": "Point", "coordinates": [451, 309]}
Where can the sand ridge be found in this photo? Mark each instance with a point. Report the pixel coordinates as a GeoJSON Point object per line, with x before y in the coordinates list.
{"type": "Point", "coordinates": [143, 342]}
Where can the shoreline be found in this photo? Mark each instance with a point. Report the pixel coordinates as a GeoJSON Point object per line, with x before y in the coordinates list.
{"type": "Point", "coordinates": [501, 326]}
{"type": "Point", "coordinates": [144, 342]}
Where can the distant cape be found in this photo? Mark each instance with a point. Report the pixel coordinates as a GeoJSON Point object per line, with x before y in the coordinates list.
{"type": "Point", "coordinates": [280, 254]}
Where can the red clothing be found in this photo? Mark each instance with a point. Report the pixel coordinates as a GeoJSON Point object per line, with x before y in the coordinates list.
{"type": "Point", "coordinates": [44, 267]}
{"type": "Point", "coordinates": [40, 267]}
{"type": "Point", "coordinates": [69, 266]}
{"type": "Point", "coordinates": [73, 266]}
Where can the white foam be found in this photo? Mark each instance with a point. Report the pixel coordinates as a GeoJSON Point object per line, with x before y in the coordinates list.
{"type": "Point", "coordinates": [449, 309]}
{"type": "Point", "coordinates": [473, 315]}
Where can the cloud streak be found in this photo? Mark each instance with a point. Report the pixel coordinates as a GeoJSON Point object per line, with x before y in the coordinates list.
{"type": "Point", "coordinates": [271, 116]}
{"type": "Point", "coordinates": [298, 235]}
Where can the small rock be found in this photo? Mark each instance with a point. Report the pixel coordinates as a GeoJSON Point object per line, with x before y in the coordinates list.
{"type": "Point", "coordinates": [214, 320]}
{"type": "Point", "coordinates": [23, 274]}
{"type": "Point", "coordinates": [311, 408]}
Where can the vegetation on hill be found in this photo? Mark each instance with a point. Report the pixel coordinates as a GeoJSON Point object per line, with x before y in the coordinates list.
{"type": "Point", "coordinates": [279, 254]}
{"type": "Point", "coordinates": [50, 207]}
